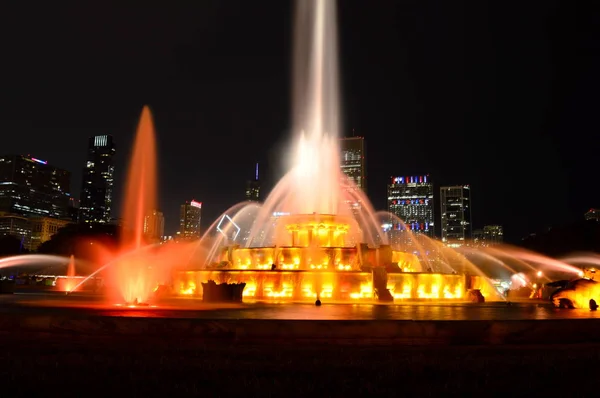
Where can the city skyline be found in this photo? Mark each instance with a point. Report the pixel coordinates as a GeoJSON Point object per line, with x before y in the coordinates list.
{"type": "Point", "coordinates": [512, 117]}
{"type": "Point", "coordinates": [254, 185]}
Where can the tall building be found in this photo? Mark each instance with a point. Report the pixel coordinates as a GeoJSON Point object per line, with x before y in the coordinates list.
{"type": "Point", "coordinates": [31, 187]}
{"type": "Point", "coordinates": [190, 216]}
{"type": "Point", "coordinates": [455, 204]}
{"type": "Point", "coordinates": [490, 235]}
{"type": "Point", "coordinates": [17, 226]}
{"type": "Point", "coordinates": [353, 160]}
{"type": "Point", "coordinates": [493, 234]}
{"type": "Point", "coordinates": [73, 209]}
{"type": "Point", "coordinates": [98, 181]}
{"type": "Point", "coordinates": [411, 199]}
{"type": "Point", "coordinates": [154, 226]}
{"type": "Point", "coordinates": [253, 187]}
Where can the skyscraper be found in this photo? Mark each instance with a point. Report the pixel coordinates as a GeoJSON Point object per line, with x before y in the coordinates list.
{"type": "Point", "coordinates": [353, 160]}
{"type": "Point", "coordinates": [154, 226]}
{"type": "Point", "coordinates": [190, 215]}
{"type": "Point", "coordinates": [253, 187]}
{"type": "Point", "coordinates": [455, 204]}
{"type": "Point", "coordinates": [411, 199]}
{"type": "Point", "coordinates": [98, 181]}
{"type": "Point", "coordinates": [31, 187]}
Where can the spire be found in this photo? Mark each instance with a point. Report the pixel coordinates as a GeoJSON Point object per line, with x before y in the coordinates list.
{"type": "Point", "coordinates": [256, 172]}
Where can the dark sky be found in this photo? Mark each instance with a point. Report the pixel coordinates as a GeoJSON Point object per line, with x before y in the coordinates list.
{"type": "Point", "coordinates": [500, 95]}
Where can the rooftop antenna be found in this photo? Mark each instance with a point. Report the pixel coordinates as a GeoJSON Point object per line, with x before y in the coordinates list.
{"type": "Point", "coordinates": [353, 132]}
{"type": "Point", "coordinates": [256, 172]}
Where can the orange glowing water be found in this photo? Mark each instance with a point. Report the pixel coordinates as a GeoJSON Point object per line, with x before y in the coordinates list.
{"type": "Point", "coordinates": [70, 284]}
{"type": "Point", "coordinates": [135, 274]}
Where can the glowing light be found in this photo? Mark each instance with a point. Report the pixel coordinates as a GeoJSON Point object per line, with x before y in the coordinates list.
{"type": "Point", "coordinates": [226, 217]}
{"type": "Point", "coordinates": [39, 161]}
{"type": "Point", "coordinates": [193, 203]}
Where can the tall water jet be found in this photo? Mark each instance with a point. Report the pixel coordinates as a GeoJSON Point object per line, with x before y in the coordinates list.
{"type": "Point", "coordinates": [315, 183]}
{"type": "Point", "coordinates": [70, 281]}
{"type": "Point", "coordinates": [134, 275]}
{"type": "Point", "coordinates": [316, 109]}
{"type": "Point", "coordinates": [140, 196]}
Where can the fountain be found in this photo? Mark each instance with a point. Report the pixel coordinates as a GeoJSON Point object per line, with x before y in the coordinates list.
{"type": "Point", "coordinates": [68, 283]}
{"type": "Point", "coordinates": [317, 235]}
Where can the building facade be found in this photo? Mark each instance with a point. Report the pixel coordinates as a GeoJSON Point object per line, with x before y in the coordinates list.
{"type": "Point", "coordinates": [253, 187]}
{"type": "Point", "coordinates": [31, 187]}
{"type": "Point", "coordinates": [190, 215]}
{"type": "Point", "coordinates": [96, 199]}
{"type": "Point", "coordinates": [42, 230]}
{"type": "Point", "coordinates": [490, 235]}
{"type": "Point", "coordinates": [455, 203]}
{"type": "Point", "coordinates": [354, 161]}
{"type": "Point", "coordinates": [154, 227]}
{"type": "Point", "coordinates": [17, 226]}
{"type": "Point", "coordinates": [411, 199]}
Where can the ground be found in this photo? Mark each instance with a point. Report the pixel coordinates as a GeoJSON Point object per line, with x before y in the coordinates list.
{"type": "Point", "coordinates": [80, 365]}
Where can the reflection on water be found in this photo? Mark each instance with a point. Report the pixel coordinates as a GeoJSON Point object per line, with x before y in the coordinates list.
{"type": "Point", "coordinates": [195, 309]}
{"type": "Point", "coordinates": [417, 312]}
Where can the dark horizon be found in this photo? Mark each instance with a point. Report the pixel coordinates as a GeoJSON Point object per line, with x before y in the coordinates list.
{"type": "Point", "coordinates": [486, 94]}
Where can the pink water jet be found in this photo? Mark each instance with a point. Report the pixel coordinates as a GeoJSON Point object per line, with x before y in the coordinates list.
{"type": "Point", "coordinates": [70, 281]}
{"type": "Point", "coordinates": [136, 276]}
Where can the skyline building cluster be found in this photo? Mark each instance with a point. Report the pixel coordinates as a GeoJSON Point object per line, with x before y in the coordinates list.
{"type": "Point", "coordinates": [35, 200]}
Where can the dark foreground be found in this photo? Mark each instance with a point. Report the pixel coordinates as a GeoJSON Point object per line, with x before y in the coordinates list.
{"type": "Point", "coordinates": [77, 365]}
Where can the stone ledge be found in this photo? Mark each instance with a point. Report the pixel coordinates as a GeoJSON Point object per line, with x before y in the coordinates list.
{"type": "Point", "coordinates": [324, 331]}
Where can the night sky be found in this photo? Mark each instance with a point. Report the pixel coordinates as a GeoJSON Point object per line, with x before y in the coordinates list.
{"type": "Point", "coordinates": [500, 95]}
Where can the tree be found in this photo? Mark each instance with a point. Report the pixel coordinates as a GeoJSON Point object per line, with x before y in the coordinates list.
{"type": "Point", "coordinates": [10, 245]}
{"type": "Point", "coordinates": [79, 240]}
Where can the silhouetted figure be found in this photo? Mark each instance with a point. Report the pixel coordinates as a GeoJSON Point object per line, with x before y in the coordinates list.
{"type": "Point", "coordinates": [318, 303]}
{"type": "Point", "coordinates": [273, 267]}
{"type": "Point", "coordinates": [593, 305]}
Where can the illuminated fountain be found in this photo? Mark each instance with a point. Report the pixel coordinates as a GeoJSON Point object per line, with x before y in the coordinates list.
{"type": "Point", "coordinates": [134, 271]}
{"type": "Point", "coordinates": [68, 283]}
{"type": "Point", "coordinates": [317, 235]}
{"type": "Point", "coordinates": [141, 266]}
{"type": "Point", "coordinates": [134, 276]}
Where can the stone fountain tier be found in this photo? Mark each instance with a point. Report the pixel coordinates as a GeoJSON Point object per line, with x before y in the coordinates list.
{"type": "Point", "coordinates": [322, 230]}
{"type": "Point", "coordinates": [222, 292]}
{"type": "Point", "coordinates": [305, 286]}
